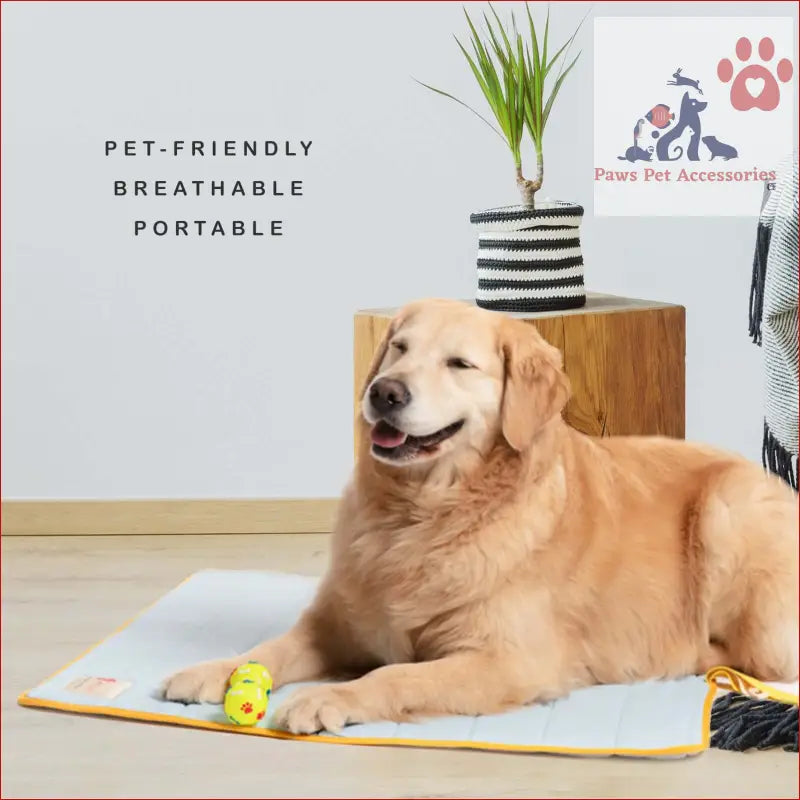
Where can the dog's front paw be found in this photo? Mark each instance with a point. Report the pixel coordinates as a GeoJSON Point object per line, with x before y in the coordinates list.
{"type": "Point", "coordinates": [202, 683]}
{"type": "Point", "coordinates": [319, 708]}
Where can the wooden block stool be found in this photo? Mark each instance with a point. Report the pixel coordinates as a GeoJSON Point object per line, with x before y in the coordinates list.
{"type": "Point", "coordinates": [624, 357]}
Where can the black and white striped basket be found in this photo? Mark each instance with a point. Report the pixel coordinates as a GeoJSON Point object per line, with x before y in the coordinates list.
{"type": "Point", "coordinates": [529, 259]}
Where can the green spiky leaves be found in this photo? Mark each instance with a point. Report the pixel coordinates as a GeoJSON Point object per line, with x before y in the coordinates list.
{"type": "Point", "coordinates": [514, 72]}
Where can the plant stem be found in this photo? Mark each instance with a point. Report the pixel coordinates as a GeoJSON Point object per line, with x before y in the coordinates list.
{"type": "Point", "coordinates": [539, 166]}
{"type": "Point", "coordinates": [528, 188]}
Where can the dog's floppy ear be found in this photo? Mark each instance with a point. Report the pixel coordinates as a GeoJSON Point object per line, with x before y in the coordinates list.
{"type": "Point", "coordinates": [380, 353]}
{"type": "Point", "coordinates": [535, 389]}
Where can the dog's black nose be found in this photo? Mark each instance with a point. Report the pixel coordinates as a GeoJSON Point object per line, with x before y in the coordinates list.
{"type": "Point", "coordinates": [387, 395]}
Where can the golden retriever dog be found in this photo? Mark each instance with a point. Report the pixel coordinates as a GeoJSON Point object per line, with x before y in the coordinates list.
{"type": "Point", "coordinates": [487, 555]}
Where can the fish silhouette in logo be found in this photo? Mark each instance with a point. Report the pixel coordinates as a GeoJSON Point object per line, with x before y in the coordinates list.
{"type": "Point", "coordinates": [660, 116]}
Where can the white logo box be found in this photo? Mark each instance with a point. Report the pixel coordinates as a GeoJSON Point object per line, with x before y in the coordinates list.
{"type": "Point", "coordinates": [634, 58]}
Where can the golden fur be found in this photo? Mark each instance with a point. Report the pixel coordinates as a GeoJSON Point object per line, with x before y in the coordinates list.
{"type": "Point", "coordinates": [520, 559]}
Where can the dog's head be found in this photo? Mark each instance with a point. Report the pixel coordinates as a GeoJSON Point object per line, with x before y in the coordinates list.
{"type": "Point", "coordinates": [449, 379]}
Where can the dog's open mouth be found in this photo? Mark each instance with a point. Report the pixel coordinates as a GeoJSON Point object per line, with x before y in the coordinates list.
{"type": "Point", "coordinates": [389, 442]}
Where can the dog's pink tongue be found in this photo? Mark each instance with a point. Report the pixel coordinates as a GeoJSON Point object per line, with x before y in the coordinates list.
{"type": "Point", "coordinates": [384, 435]}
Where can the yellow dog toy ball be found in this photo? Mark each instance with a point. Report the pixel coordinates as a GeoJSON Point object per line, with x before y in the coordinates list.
{"type": "Point", "coordinates": [246, 703]}
{"type": "Point", "coordinates": [252, 671]}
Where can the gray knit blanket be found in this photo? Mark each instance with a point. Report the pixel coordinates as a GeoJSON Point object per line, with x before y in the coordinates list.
{"type": "Point", "coordinates": [773, 320]}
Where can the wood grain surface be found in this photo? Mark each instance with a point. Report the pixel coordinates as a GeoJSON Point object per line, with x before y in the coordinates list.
{"type": "Point", "coordinates": [103, 517]}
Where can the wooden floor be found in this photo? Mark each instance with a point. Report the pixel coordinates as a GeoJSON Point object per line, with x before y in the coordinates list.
{"type": "Point", "coordinates": [62, 594]}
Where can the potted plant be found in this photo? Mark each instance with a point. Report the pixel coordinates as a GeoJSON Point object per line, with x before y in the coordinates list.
{"type": "Point", "coordinates": [529, 255]}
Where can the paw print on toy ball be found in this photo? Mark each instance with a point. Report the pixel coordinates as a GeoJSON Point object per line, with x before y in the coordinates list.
{"type": "Point", "coordinates": [755, 85]}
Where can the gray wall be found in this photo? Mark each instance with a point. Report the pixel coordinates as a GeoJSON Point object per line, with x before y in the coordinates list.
{"type": "Point", "coordinates": [199, 367]}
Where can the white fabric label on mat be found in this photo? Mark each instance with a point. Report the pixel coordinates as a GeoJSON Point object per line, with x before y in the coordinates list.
{"type": "Point", "coordinates": [109, 688]}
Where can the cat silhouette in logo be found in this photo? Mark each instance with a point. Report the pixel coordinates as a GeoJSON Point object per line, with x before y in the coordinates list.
{"type": "Point", "coordinates": [688, 117]}
{"type": "Point", "coordinates": [635, 153]}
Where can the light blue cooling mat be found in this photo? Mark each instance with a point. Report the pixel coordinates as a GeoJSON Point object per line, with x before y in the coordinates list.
{"type": "Point", "coordinates": [219, 613]}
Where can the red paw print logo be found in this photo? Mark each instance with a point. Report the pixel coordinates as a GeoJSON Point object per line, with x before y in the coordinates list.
{"type": "Point", "coordinates": [755, 85]}
{"type": "Point", "coordinates": [247, 708]}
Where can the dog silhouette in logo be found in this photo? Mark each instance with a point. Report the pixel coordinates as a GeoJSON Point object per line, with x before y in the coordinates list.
{"type": "Point", "coordinates": [718, 148]}
{"type": "Point", "coordinates": [688, 117]}
{"type": "Point", "coordinates": [682, 80]}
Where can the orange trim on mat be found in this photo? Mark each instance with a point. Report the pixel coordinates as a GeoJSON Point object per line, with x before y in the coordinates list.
{"type": "Point", "coordinates": [147, 716]}
{"type": "Point", "coordinates": [731, 679]}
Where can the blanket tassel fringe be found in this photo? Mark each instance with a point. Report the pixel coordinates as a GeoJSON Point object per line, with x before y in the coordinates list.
{"type": "Point", "coordinates": [740, 722]}
{"type": "Point", "coordinates": [777, 459]}
{"type": "Point", "coordinates": [763, 236]}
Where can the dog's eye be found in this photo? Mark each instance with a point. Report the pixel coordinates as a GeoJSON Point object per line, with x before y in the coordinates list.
{"type": "Point", "coordinates": [401, 347]}
{"type": "Point", "coordinates": [459, 363]}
